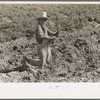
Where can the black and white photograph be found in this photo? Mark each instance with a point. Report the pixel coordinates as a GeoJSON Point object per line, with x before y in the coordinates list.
{"type": "Point", "coordinates": [49, 43]}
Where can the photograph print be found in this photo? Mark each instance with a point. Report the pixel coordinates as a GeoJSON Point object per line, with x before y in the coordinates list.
{"type": "Point", "coordinates": [49, 43]}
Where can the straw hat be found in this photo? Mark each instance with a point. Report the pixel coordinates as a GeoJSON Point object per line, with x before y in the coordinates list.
{"type": "Point", "coordinates": [43, 16]}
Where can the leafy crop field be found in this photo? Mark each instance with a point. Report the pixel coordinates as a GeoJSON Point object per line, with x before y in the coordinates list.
{"type": "Point", "coordinates": [75, 53]}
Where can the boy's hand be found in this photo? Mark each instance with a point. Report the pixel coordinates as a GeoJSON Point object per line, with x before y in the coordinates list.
{"type": "Point", "coordinates": [51, 39]}
{"type": "Point", "coordinates": [56, 34]}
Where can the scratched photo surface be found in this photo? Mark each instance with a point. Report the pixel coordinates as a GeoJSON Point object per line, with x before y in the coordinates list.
{"type": "Point", "coordinates": [49, 43]}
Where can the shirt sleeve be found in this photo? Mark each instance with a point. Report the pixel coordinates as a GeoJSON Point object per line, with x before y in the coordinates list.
{"type": "Point", "coordinates": [40, 33]}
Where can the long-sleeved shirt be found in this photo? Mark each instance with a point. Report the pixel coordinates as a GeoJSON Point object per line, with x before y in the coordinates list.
{"type": "Point", "coordinates": [42, 31]}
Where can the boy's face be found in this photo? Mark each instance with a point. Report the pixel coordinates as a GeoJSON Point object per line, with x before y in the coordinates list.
{"type": "Point", "coordinates": [42, 21]}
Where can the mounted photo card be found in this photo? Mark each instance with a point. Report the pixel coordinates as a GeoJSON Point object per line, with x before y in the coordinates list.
{"type": "Point", "coordinates": [49, 49]}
